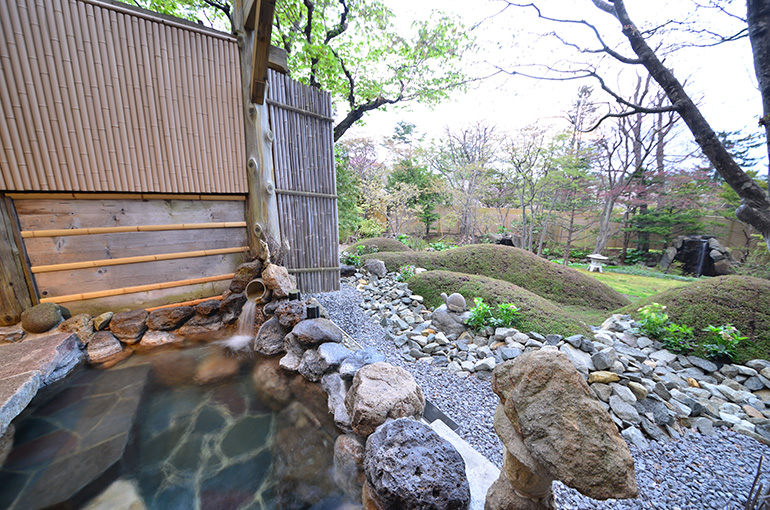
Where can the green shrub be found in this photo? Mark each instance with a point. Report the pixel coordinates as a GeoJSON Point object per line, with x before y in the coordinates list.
{"type": "Point", "coordinates": [724, 342]}
{"type": "Point", "coordinates": [509, 314]}
{"type": "Point", "coordinates": [405, 273]}
{"type": "Point", "coordinates": [383, 244]}
{"type": "Point", "coordinates": [441, 246]}
{"type": "Point", "coordinates": [354, 258]}
{"type": "Point", "coordinates": [653, 320]}
{"type": "Point", "coordinates": [370, 228]}
{"type": "Point", "coordinates": [481, 315]}
{"type": "Point", "coordinates": [678, 338]}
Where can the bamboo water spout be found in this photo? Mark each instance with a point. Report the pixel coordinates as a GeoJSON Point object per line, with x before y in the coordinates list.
{"type": "Point", "coordinates": [257, 292]}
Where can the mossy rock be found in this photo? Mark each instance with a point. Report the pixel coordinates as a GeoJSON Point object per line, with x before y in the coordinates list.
{"type": "Point", "coordinates": [742, 301]}
{"type": "Point", "coordinates": [557, 283]}
{"type": "Point", "coordinates": [383, 244]}
{"type": "Point", "coordinates": [538, 314]}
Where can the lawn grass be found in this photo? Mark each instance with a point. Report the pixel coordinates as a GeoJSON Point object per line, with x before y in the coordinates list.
{"type": "Point", "coordinates": [635, 287]}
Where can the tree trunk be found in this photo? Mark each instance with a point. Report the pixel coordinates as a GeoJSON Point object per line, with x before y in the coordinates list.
{"type": "Point", "coordinates": [758, 17]}
{"type": "Point", "coordinates": [604, 225]}
{"type": "Point", "coordinates": [755, 207]}
{"type": "Point", "coordinates": [570, 229]}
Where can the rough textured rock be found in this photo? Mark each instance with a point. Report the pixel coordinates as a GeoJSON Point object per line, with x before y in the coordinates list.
{"type": "Point", "coordinates": [120, 495]}
{"type": "Point", "coordinates": [216, 368]}
{"type": "Point", "coordinates": [289, 313]}
{"type": "Point", "coordinates": [231, 307]}
{"type": "Point", "coordinates": [200, 327]}
{"type": "Point", "coordinates": [16, 392]}
{"type": "Point", "coordinates": [167, 319]}
{"type": "Point", "coordinates": [294, 353]}
{"type": "Point", "coordinates": [359, 359]}
{"type": "Point", "coordinates": [244, 274]}
{"type": "Point", "coordinates": [376, 267]}
{"type": "Point", "coordinates": [103, 346]}
{"type": "Point", "coordinates": [449, 322]}
{"type": "Point", "coordinates": [310, 366]}
{"type": "Point", "coordinates": [336, 389]}
{"type": "Point", "coordinates": [152, 339]}
{"type": "Point", "coordinates": [313, 332]}
{"type": "Point", "coordinates": [381, 391]}
{"type": "Point", "coordinates": [102, 321]}
{"type": "Point", "coordinates": [53, 356]}
{"type": "Point", "coordinates": [12, 334]}
{"type": "Point", "coordinates": [501, 496]}
{"type": "Point", "coordinates": [41, 318]}
{"type": "Point", "coordinates": [564, 426]}
{"type": "Point", "coordinates": [207, 308]}
{"type": "Point", "coordinates": [129, 327]}
{"type": "Point", "coordinates": [269, 340]}
{"type": "Point", "coordinates": [410, 466]}
{"type": "Point", "coordinates": [271, 383]}
{"type": "Point", "coordinates": [331, 355]}
{"type": "Point", "coordinates": [81, 325]}
{"type": "Point", "coordinates": [349, 465]}
{"type": "Point", "coordinates": [276, 278]}
{"type": "Point", "coordinates": [524, 479]}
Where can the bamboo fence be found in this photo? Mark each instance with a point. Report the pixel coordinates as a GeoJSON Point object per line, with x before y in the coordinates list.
{"type": "Point", "coordinates": [303, 152]}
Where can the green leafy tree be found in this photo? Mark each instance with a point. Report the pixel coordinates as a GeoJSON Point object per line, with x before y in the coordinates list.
{"type": "Point", "coordinates": [350, 213]}
{"type": "Point", "coordinates": [352, 49]}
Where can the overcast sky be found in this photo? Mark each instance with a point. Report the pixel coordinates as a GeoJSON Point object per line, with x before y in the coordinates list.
{"type": "Point", "coordinates": [721, 78]}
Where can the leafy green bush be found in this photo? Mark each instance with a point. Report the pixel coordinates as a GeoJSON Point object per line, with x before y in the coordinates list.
{"type": "Point", "coordinates": [482, 315]}
{"type": "Point", "coordinates": [678, 338]}
{"type": "Point", "coordinates": [354, 259]}
{"type": "Point", "coordinates": [441, 246]}
{"type": "Point", "coordinates": [405, 272]}
{"type": "Point", "coordinates": [653, 320]}
{"type": "Point", "coordinates": [724, 342]}
{"type": "Point", "coordinates": [370, 228]}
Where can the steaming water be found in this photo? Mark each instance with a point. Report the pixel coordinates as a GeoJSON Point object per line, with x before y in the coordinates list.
{"type": "Point", "coordinates": [245, 334]}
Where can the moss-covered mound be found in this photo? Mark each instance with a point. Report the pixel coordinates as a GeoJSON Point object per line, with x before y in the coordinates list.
{"type": "Point", "coordinates": [538, 314]}
{"type": "Point", "coordinates": [546, 279]}
{"type": "Point", "coordinates": [741, 301]}
{"type": "Point", "coordinates": [383, 244]}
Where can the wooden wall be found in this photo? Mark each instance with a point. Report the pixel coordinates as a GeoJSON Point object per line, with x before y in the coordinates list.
{"type": "Point", "coordinates": [121, 252]}
{"type": "Point", "coordinates": [14, 292]}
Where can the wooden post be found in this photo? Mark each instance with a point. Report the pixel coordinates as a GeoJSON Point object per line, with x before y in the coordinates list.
{"type": "Point", "coordinates": [14, 292]}
{"type": "Point", "coordinates": [262, 202]}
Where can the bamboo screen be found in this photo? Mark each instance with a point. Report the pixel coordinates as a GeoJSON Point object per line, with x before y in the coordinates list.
{"type": "Point", "coordinates": [303, 153]}
{"type": "Point", "coordinates": [101, 97]}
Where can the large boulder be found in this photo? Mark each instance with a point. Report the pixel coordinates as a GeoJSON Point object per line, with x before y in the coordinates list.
{"type": "Point", "coordinates": [41, 318]}
{"type": "Point", "coordinates": [502, 496]}
{"type": "Point", "coordinates": [410, 467]}
{"type": "Point", "coordinates": [129, 327]}
{"type": "Point", "coordinates": [277, 279]}
{"type": "Point", "coordinates": [376, 267]}
{"type": "Point", "coordinates": [231, 307]}
{"type": "Point", "coordinates": [381, 391]}
{"type": "Point", "coordinates": [167, 319]}
{"type": "Point", "coordinates": [269, 340]}
{"type": "Point", "coordinates": [312, 332]}
{"type": "Point", "coordinates": [358, 359]}
{"type": "Point", "coordinates": [563, 426]}
{"type": "Point", "coordinates": [336, 389]}
{"type": "Point", "coordinates": [448, 322]}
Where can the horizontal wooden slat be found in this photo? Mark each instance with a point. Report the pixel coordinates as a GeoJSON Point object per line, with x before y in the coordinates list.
{"type": "Point", "coordinates": [60, 250]}
{"type": "Point", "coordinates": [76, 214]}
{"type": "Point", "coordinates": [124, 196]}
{"type": "Point", "coordinates": [131, 290]}
{"type": "Point", "coordinates": [135, 260]}
{"type": "Point", "coordinates": [185, 303]}
{"type": "Point", "coordinates": [133, 228]}
{"type": "Point", "coordinates": [78, 281]}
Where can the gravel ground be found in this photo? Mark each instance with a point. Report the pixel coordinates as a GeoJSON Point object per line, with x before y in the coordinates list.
{"type": "Point", "coordinates": [698, 472]}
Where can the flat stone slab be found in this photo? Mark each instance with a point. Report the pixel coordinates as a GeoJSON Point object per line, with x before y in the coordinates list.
{"type": "Point", "coordinates": [29, 365]}
{"type": "Point", "coordinates": [480, 471]}
{"type": "Point", "coordinates": [72, 439]}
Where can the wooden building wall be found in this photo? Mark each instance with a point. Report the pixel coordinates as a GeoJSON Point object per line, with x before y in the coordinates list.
{"type": "Point", "coordinates": [100, 253]}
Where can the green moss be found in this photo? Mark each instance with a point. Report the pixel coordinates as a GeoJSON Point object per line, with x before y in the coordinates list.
{"type": "Point", "coordinates": [546, 279]}
{"type": "Point", "coordinates": [384, 245]}
{"type": "Point", "coordinates": [741, 301]}
{"type": "Point", "coordinates": [538, 314]}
